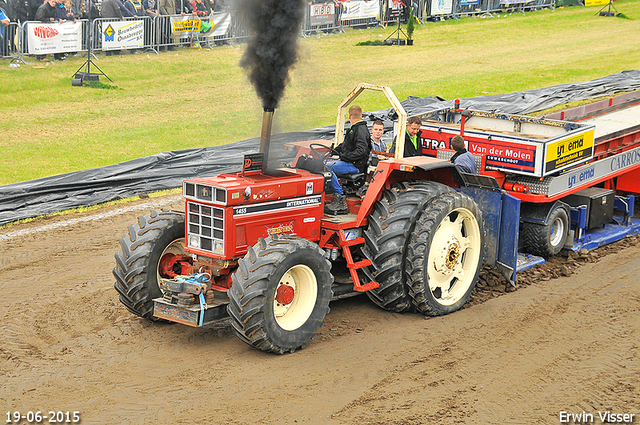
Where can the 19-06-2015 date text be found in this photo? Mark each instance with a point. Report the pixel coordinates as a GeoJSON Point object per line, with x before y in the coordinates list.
{"type": "Point", "coordinates": [47, 417]}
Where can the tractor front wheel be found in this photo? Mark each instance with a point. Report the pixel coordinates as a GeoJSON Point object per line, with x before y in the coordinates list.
{"type": "Point", "coordinates": [154, 240]}
{"type": "Point", "coordinates": [280, 293]}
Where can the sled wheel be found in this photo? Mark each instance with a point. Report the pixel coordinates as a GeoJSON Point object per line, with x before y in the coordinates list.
{"type": "Point", "coordinates": [154, 237]}
{"type": "Point", "coordinates": [445, 254]}
{"type": "Point", "coordinates": [280, 293]}
{"type": "Point", "coordinates": [546, 240]}
{"type": "Point", "coordinates": [386, 238]}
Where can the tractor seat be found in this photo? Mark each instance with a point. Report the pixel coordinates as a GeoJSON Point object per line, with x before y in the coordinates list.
{"type": "Point", "coordinates": [351, 177]}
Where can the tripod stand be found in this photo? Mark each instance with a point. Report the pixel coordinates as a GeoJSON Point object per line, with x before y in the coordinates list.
{"type": "Point", "coordinates": [608, 12]}
{"type": "Point", "coordinates": [80, 76]}
{"type": "Point", "coordinates": [398, 41]}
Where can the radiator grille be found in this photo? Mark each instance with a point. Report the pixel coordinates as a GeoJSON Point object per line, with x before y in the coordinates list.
{"type": "Point", "coordinates": [205, 228]}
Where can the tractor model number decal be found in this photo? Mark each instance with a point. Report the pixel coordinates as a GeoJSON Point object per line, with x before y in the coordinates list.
{"type": "Point", "coordinates": [278, 205]}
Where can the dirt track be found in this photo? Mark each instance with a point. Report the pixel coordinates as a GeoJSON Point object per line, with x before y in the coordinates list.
{"type": "Point", "coordinates": [564, 344]}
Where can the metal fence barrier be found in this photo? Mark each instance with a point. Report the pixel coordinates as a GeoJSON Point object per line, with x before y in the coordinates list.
{"type": "Point", "coordinates": [9, 42]}
{"type": "Point", "coordinates": [167, 32]}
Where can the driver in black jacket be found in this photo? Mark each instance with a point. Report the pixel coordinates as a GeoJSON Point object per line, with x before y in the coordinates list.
{"type": "Point", "coordinates": [354, 156]}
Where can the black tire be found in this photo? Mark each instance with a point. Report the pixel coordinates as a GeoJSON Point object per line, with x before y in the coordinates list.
{"type": "Point", "coordinates": [386, 238]}
{"type": "Point", "coordinates": [136, 269]}
{"type": "Point", "coordinates": [445, 254]}
{"type": "Point", "coordinates": [263, 320]}
{"type": "Point", "coordinates": [546, 240]}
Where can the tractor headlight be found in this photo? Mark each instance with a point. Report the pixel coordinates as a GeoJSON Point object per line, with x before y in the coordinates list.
{"type": "Point", "coordinates": [194, 241]}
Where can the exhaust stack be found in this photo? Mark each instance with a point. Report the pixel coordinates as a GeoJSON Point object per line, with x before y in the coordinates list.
{"type": "Point", "coordinates": [265, 136]}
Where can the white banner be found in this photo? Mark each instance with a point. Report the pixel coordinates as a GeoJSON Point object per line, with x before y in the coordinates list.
{"type": "Point", "coordinates": [214, 25]}
{"type": "Point", "coordinates": [441, 7]}
{"type": "Point", "coordinates": [360, 10]}
{"type": "Point", "coordinates": [322, 14]}
{"type": "Point", "coordinates": [221, 24]}
{"type": "Point", "coordinates": [118, 35]}
{"type": "Point", "coordinates": [54, 37]}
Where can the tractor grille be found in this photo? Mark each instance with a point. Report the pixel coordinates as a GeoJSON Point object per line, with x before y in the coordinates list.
{"type": "Point", "coordinates": [205, 193]}
{"type": "Point", "coordinates": [205, 228]}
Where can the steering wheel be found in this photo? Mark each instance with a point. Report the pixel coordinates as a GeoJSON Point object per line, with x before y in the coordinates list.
{"type": "Point", "coordinates": [326, 156]}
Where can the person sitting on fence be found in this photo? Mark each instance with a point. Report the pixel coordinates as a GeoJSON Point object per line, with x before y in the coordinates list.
{"type": "Point", "coordinates": [463, 160]}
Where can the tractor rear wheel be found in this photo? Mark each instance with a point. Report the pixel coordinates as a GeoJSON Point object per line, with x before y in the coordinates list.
{"type": "Point", "coordinates": [445, 254]}
{"type": "Point", "coordinates": [386, 238]}
{"type": "Point", "coordinates": [155, 236]}
{"type": "Point", "coordinates": [280, 293]}
{"type": "Point", "coordinates": [548, 239]}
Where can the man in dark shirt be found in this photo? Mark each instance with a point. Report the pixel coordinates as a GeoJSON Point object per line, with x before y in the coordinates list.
{"type": "Point", "coordinates": [354, 158]}
{"type": "Point", "coordinates": [412, 145]}
{"type": "Point", "coordinates": [463, 160]}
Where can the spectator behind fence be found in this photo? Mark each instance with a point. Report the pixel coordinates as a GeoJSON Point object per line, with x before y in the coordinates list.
{"type": "Point", "coordinates": [48, 12]}
{"type": "Point", "coordinates": [4, 22]}
{"type": "Point", "coordinates": [167, 8]}
{"type": "Point", "coordinates": [90, 10]}
{"type": "Point", "coordinates": [134, 7]}
{"type": "Point", "coordinates": [183, 7]}
{"type": "Point", "coordinates": [23, 11]}
{"type": "Point", "coordinates": [199, 8]}
{"type": "Point", "coordinates": [64, 11]}
{"type": "Point", "coordinates": [463, 160]}
{"type": "Point", "coordinates": [150, 8]}
{"type": "Point", "coordinates": [114, 9]}
{"type": "Point", "coordinates": [34, 5]}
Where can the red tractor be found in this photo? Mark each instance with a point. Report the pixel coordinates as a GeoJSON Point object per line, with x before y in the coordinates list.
{"type": "Point", "coordinates": [255, 245]}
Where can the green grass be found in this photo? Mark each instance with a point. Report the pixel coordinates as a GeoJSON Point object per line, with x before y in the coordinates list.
{"type": "Point", "coordinates": [196, 98]}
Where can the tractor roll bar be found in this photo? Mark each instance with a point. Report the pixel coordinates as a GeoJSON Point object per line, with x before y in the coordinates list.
{"type": "Point", "coordinates": [402, 114]}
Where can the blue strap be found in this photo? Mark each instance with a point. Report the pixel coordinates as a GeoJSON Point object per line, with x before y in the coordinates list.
{"type": "Point", "coordinates": [203, 307]}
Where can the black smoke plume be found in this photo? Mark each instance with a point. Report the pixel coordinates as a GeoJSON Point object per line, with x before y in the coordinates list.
{"type": "Point", "coordinates": [273, 49]}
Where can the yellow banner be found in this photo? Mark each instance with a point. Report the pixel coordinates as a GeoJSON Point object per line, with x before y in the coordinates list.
{"type": "Point", "coordinates": [568, 151]}
{"type": "Point", "coordinates": [186, 26]}
{"type": "Point", "coordinates": [595, 2]}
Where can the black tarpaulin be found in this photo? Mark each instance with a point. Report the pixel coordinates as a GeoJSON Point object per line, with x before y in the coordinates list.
{"type": "Point", "coordinates": [168, 169]}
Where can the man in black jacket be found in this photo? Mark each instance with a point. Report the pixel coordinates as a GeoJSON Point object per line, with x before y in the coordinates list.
{"type": "Point", "coordinates": [354, 157]}
{"type": "Point", "coordinates": [412, 145]}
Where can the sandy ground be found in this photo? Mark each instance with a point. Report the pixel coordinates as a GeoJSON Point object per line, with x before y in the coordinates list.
{"type": "Point", "coordinates": [566, 344]}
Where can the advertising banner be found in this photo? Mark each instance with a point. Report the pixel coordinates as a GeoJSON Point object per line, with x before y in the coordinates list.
{"type": "Point", "coordinates": [322, 14]}
{"type": "Point", "coordinates": [214, 25]}
{"type": "Point", "coordinates": [54, 37]}
{"type": "Point", "coordinates": [595, 2]}
{"type": "Point", "coordinates": [441, 7]}
{"type": "Point", "coordinates": [468, 2]}
{"type": "Point", "coordinates": [509, 156]}
{"type": "Point", "coordinates": [118, 35]}
{"type": "Point", "coordinates": [569, 151]}
{"type": "Point", "coordinates": [360, 10]}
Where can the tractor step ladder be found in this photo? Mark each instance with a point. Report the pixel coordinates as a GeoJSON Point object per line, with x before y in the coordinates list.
{"type": "Point", "coordinates": [346, 245]}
